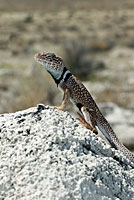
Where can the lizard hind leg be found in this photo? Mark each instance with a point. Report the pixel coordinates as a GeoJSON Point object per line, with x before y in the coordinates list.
{"type": "Point", "coordinates": [88, 121]}
{"type": "Point", "coordinates": [86, 124]}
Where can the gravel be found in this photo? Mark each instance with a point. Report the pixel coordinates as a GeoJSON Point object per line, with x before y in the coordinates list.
{"type": "Point", "coordinates": [46, 154]}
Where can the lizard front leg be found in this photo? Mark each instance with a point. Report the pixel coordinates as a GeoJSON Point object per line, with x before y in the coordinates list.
{"type": "Point", "coordinates": [64, 101]}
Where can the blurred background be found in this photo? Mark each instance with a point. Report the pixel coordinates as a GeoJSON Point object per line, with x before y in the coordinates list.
{"type": "Point", "coordinates": [95, 39]}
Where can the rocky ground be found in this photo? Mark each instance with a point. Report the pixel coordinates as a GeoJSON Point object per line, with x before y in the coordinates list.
{"type": "Point", "coordinates": [46, 154]}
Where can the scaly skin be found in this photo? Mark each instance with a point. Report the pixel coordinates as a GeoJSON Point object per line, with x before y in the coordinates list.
{"type": "Point", "coordinates": [75, 91]}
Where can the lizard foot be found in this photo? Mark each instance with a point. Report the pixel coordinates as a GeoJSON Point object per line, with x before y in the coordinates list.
{"type": "Point", "coordinates": [58, 108]}
{"type": "Point", "coordinates": [87, 125]}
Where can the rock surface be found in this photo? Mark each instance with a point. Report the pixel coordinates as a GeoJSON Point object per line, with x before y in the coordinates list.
{"type": "Point", "coordinates": [46, 154]}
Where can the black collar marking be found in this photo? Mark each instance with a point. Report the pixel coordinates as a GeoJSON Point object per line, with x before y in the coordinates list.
{"type": "Point", "coordinates": [67, 76]}
{"type": "Point", "coordinates": [59, 80]}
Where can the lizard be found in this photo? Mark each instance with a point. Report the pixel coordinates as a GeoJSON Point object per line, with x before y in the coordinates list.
{"type": "Point", "coordinates": [76, 92]}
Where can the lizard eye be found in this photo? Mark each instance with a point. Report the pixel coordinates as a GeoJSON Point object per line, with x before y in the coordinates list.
{"type": "Point", "coordinates": [50, 55]}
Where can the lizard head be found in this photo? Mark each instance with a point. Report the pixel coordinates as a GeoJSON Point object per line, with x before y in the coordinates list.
{"type": "Point", "coordinates": [52, 63]}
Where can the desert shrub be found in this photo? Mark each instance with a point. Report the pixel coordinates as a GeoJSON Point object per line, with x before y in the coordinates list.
{"type": "Point", "coordinates": [76, 58]}
{"type": "Point", "coordinates": [100, 46]}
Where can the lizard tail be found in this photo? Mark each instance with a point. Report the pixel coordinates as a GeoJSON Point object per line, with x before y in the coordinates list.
{"type": "Point", "coordinates": [114, 141]}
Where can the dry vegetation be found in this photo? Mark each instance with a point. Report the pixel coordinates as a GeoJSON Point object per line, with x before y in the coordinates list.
{"type": "Point", "coordinates": [96, 40]}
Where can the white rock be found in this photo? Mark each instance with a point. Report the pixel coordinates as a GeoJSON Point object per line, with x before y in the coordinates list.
{"type": "Point", "coordinates": [46, 154]}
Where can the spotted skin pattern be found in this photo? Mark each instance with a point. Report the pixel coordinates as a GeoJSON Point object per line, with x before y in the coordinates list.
{"type": "Point", "coordinates": [81, 97]}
